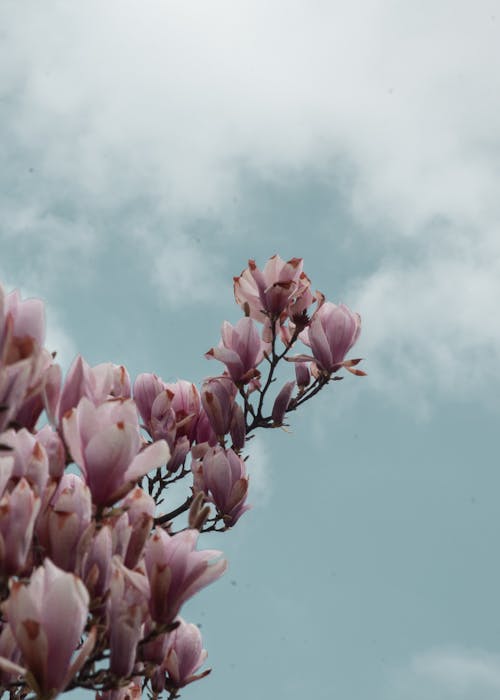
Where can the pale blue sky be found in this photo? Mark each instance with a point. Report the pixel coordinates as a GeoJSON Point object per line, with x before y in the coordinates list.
{"type": "Point", "coordinates": [148, 150]}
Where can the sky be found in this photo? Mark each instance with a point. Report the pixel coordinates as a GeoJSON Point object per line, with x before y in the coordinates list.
{"type": "Point", "coordinates": [148, 150]}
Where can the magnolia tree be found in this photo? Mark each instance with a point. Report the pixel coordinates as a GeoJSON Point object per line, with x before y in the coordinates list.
{"type": "Point", "coordinates": [95, 562]}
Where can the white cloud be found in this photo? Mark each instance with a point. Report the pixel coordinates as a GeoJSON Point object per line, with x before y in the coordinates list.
{"type": "Point", "coordinates": [447, 674]}
{"type": "Point", "coordinates": [430, 327]}
{"type": "Point", "coordinates": [125, 101]}
{"type": "Point", "coordinates": [181, 270]}
{"type": "Point", "coordinates": [155, 94]}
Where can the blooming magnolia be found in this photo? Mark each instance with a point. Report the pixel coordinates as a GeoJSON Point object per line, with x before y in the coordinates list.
{"type": "Point", "coordinates": [241, 350]}
{"type": "Point", "coordinates": [331, 334]}
{"type": "Point", "coordinates": [105, 443]}
{"type": "Point", "coordinates": [99, 383]}
{"type": "Point", "coordinates": [176, 571]}
{"type": "Point", "coordinates": [100, 565]}
{"type": "Point", "coordinates": [170, 412]}
{"type": "Point", "coordinates": [270, 291]}
{"type": "Point", "coordinates": [47, 617]}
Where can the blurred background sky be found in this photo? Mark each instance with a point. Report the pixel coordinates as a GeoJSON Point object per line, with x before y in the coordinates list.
{"type": "Point", "coordinates": [148, 149]}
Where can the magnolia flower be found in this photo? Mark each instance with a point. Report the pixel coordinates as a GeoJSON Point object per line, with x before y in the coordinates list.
{"type": "Point", "coordinates": [30, 458]}
{"type": "Point", "coordinates": [105, 442]}
{"type": "Point", "coordinates": [54, 447]}
{"type": "Point", "coordinates": [169, 412]}
{"type": "Point", "coordinates": [241, 350]}
{"type": "Point", "coordinates": [47, 618]}
{"type": "Point", "coordinates": [99, 383]}
{"type": "Point", "coordinates": [185, 655]}
{"type": "Point", "coordinates": [132, 691]}
{"type": "Point", "coordinates": [269, 292]}
{"type": "Point", "coordinates": [176, 571]}
{"type": "Point", "coordinates": [64, 527]}
{"type": "Point", "coordinates": [29, 381]}
{"type": "Point", "coordinates": [18, 512]}
{"type": "Point", "coordinates": [128, 606]}
{"type": "Point", "coordinates": [281, 403]}
{"type": "Point", "coordinates": [221, 475]}
{"type": "Point", "coordinates": [218, 396]}
{"type": "Point", "coordinates": [332, 332]}
{"type": "Point", "coordinates": [140, 509]}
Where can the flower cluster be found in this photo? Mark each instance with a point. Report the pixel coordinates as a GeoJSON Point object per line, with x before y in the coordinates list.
{"type": "Point", "coordinates": [95, 565]}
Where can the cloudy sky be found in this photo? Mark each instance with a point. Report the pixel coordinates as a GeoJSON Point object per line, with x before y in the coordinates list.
{"type": "Point", "coordinates": [148, 150]}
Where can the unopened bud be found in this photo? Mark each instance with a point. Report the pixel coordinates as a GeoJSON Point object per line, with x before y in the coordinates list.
{"type": "Point", "coordinates": [198, 511]}
{"type": "Point", "coordinates": [281, 403]}
{"type": "Point", "coordinates": [302, 374]}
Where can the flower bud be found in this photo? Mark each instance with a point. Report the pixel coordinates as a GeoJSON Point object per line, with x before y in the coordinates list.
{"type": "Point", "coordinates": [281, 403]}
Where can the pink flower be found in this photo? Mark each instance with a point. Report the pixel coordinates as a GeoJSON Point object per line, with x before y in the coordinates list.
{"type": "Point", "coordinates": [54, 447]}
{"type": "Point", "coordinates": [241, 350]}
{"type": "Point", "coordinates": [140, 509]}
{"type": "Point", "coordinates": [30, 458]}
{"type": "Point", "coordinates": [64, 526]}
{"type": "Point", "coordinates": [47, 618]}
{"type": "Point", "coordinates": [279, 286]}
{"type": "Point", "coordinates": [10, 652]}
{"type": "Point", "coordinates": [176, 571]}
{"type": "Point", "coordinates": [218, 398]}
{"type": "Point", "coordinates": [105, 442]}
{"type": "Point", "coordinates": [18, 512]}
{"type": "Point", "coordinates": [99, 383]}
{"type": "Point", "coordinates": [332, 332]}
{"type": "Point", "coordinates": [281, 403]}
{"type": "Point", "coordinates": [29, 381]}
{"type": "Point", "coordinates": [169, 412]}
{"type": "Point", "coordinates": [185, 655]}
{"type": "Point", "coordinates": [221, 475]}
{"type": "Point", "coordinates": [132, 691]}
{"type": "Point", "coordinates": [96, 566]}
{"type": "Point", "coordinates": [22, 327]}
{"type": "Point", "coordinates": [128, 606]}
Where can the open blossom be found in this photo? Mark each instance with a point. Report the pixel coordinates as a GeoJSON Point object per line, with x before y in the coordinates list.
{"type": "Point", "coordinates": [281, 286]}
{"type": "Point", "coordinates": [176, 571]}
{"type": "Point", "coordinates": [169, 412]}
{"type": "Point", "coordinates": [221, 475]}
{"type": "Point", "coordinates": [332, 332]}
{"type": "Point", "coordinates": [47, 617]}
{"type": "Point", "coordinates": [241, 350]}
{"type": "Point", "coordinates": [105, 442]}
{"type": "Point", "coordinates": [99, 383]}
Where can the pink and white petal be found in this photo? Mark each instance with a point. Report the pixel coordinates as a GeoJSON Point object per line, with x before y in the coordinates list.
{"type": "Point", "coordinates": [72, 438]}
{"type": "Point", "coordinates": [153, 457]}
{"type": "Point", "coordinates": [83, 654]}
